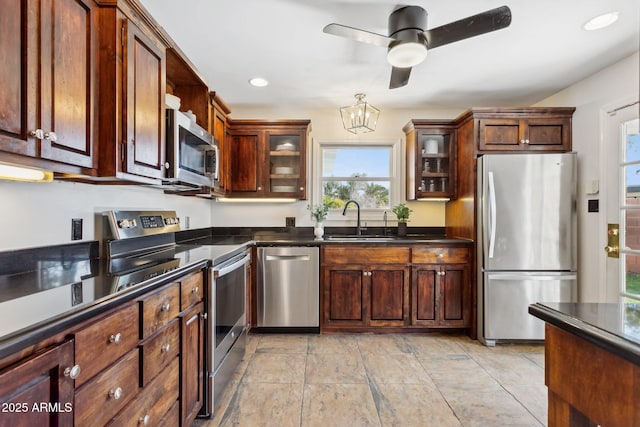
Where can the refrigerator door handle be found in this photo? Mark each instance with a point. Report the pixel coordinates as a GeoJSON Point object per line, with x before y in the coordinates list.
{"type": "Point", "coordinates": [569, 276]}
{"type": "Point", "coordinates": [492, 214]}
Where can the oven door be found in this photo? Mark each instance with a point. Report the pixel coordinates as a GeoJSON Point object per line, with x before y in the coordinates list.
{"type": "Point", "coordinates": [226, 324]}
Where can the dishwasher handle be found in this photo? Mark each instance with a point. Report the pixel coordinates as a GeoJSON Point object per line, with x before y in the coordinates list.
{"type": "Point", "coordinates": [287, 257]}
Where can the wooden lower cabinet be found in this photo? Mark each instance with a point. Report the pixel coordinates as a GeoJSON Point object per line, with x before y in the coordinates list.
{"type": "Point", "coordinates": [141, 363]}
{"type": "Point", "coordinates": [418, 286]}
{"type": "Point", "coordinates": [37, 392]}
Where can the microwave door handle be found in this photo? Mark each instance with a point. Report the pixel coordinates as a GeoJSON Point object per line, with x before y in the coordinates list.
{"type": "Point", "coordinates": [213, 173]}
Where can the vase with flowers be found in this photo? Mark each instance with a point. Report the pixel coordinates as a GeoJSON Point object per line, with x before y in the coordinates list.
{"type": "Point", "coordinates": [319, 214]}
{"type": "Point", "coordinates": [402, 212]}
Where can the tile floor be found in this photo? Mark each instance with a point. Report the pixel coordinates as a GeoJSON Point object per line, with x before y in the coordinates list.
{"type": "Point", "coordinates": [384, 380]}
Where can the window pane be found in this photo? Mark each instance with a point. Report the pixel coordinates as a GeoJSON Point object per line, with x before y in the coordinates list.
{"type": "Point", "coordinates": [632, 266]}
{"type": "Point", "coordinates": [632, 182]}
{"type": "Point", "coordinates": [356, 161]}
{"type": "Point", "coordinates": [369, 194]}
{"type": "Point", "coordinates": [632, 225]}
{"type": "Point", "coordinates": [632, 148]}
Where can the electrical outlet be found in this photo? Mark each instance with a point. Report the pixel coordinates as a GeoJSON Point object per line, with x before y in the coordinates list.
{"type": "Point", "coordinates": [187, 222]}
{"type": "Point", "coordinates": [290, 221]}
{"type": "Point", "coordinates": [76, 228]}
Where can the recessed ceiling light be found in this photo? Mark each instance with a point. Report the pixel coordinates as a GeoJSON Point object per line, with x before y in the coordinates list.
{"type": "Point", "coordinates": [258, 82]}
{"type": "Point", "coordinates": [601, 21]}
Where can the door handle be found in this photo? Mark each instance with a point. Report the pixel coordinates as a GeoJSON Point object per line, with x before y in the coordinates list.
{"type": "Point", "coordinates": [613, 241]}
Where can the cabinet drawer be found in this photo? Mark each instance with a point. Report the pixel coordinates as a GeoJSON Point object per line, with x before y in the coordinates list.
{"type": "Point", "coordinates": [159, 308]}
{"type": "Point", "coordinates": [192, 289]}
{"type": "Point", "coordinates": [435, 255]}
{"type": "Point", "coordinates": [103, 397]}
{"type": "Point", "coordinates": [357, 254]}
{"type": "Point", "coordinates": [171, 418]}
{"type": "Point", "coordinates": [154, 401]}
{"type": "Point", "coordinates": [102, 343]}
{"type": "Point", "coordinates": [159, 350]}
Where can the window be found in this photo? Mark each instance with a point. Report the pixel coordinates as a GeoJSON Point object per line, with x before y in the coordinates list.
{"type": "Point", "coordinates": [364, 172]}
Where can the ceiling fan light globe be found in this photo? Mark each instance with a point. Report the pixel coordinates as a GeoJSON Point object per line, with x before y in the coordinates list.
{"type": "Point", "coordinates": [408, 54]}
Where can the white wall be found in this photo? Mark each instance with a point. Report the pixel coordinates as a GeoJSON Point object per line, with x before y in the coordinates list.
{"type": "Point", "coordinates": [326, 125]}
{"type": "Point", "coordinates": [39, 214]}
{"type": "Point", "coordinates": [615, 85]}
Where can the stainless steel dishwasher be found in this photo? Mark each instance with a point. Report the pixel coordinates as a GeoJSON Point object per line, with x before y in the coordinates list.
{"type": "Point", "coordinates": [288, 288]}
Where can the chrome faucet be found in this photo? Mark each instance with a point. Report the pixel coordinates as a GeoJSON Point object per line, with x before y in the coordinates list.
{"type": "Point", "coordinates": [344, 212]}
{"type": "Point", "coordinates": [384, 218]}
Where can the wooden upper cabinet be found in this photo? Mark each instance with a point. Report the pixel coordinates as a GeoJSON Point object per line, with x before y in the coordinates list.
{"type": "Point", "coordinates": [541, 129]}
{"type": "Point", "coordinates": [268, 158]}
{"type": "Point", "coordinates": [431, 159]}
{"type": "Point", "coordinates": [48, 80]}
{"type": "Point", "coordinates": [144, 74]}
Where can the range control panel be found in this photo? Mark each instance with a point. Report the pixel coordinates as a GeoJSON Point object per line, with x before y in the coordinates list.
{"type": "Point", "coordinates": [127, 224]}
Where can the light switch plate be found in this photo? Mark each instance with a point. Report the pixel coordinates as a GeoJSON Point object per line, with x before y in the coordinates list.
{"type": "Point", "coordinates": [76, 228]}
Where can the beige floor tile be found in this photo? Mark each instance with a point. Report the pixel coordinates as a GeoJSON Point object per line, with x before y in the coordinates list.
{"type": "Point", "coordinates": [347, 405]}
{"type": "Point", "coordinates": [382, 344]}
{"type": "Point", "coordinates": [270, 343]}
{"type": "Point", "coordinates": [458, 370]}
{"type": "Point", "coordinates": [333, 344]}
{"type": "Point", "coordinates": [433, 344]}
{"type": "Point", "coordinates": [532, 397]}
{"type": "Point", "coordinates": [487, 409]}
{"type": "Point", "coordinates": [412, 405]}
{"type": "Point", "coordinates": [335, 368]}
{"type": "Point", "coordinates": [511, 368]}
{"type": "Point", "coordinates": [395, 369]}
{"type": "Point", "coordinates": [275, 368]}
{"type": "Point", "coordinates": [265, 405]}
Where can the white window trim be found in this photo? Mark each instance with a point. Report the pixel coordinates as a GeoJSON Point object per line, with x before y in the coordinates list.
{"type": "Point", "coordinates": [396, 185]}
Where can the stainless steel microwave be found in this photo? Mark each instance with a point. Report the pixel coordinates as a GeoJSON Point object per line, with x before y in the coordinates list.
{"type": "Point", "coordinates": [193, 158]}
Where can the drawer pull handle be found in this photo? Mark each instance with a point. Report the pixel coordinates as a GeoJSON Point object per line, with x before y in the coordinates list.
{"type": "Point", "coordinates": [195, 290]}
{"type": "Point", "coordinates": [165, 348]}
{"type": "Point", "coordinates": [72, 372]}
{"type": "Point", "coordinates": [165, 307]}
{"type": "Point", "coordinates": [116, 394]}
{"type": "Point", "coordinates": [115, 339]}
{"type": "Point", "coordinates": [441, 255]}
{"type": "Point", "coordinates": [144, 420]}
{"type": "Point", "coordinates": [38, 134]}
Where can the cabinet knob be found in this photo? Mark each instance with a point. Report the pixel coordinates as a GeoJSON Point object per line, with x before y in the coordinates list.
{"type": "Point", "coordinates": [115, 339]}
{"type": "Point", "coordinates": [440, 255]}
{"type": "Point", "coordinates": [72, 372]}
{"type": "Point", "coordinates": [144, 420]}
{"type": "Point", "coordinates": [165, 348]}
{"type": "Point", "coordinates": [301, 188]}
{"type": "Point", "coordinates": [195, 290]}
{"type": "Point", "coordinates": [165, 307]}
{"type": "Point", "coordinates": [167, 165]}
{"type": "Point", "coordinates": [37, 134]}
{"type": "Point", "coordinates": [51, 136]}
{"type": "Point", "coordinates": [115, 394]}
{"type": "Point", "coordinates": [259, 188]}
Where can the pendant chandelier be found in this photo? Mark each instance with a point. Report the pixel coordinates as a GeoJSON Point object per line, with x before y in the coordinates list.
{"type": "Point", "coordinates": [360, 117]}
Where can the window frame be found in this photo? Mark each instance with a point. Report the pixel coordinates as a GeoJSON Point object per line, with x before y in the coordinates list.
{"type": "Point", "coordinates": [396, 184]}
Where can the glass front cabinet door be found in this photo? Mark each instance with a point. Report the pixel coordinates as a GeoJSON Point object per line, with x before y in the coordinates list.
{"type": "Point", "coordinates": [431, 165]}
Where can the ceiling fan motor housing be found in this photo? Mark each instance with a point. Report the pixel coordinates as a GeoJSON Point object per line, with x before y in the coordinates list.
{"type": "Point", "coordinates": [407, 24]}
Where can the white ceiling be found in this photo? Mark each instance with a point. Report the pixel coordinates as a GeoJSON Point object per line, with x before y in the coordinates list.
{"type": "Point", "coordinates": [544, 50]}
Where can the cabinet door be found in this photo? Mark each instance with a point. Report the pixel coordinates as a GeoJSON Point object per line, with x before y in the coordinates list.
{"type": "Point", "coordinates": [68, 43]}
{"type": "Point", "coordinates": [435, 163]}
{"type": "Point", "coordinates": [548, 134]}
{"type": "Point", "coordinates": [192, 351]}
{"type": "Point", "coordinates": [38, 382]}
{"type": "Point", "coordinates": [425, 295]}
{"type": "Point", "coordinates": [18, 76]}
{"type": "Point", "coordinates": [48, 79]}
{"type": "Point", "coordinates": [524, 134]}
{"type": "Point", "coordinates": [344, 294]}
{"type": "Point", "coordinates": [499, 135]}
{"type": "Point", "coordinates": [286, 159]}
{"type": "Point", "coordinates": [454, 296]}
{"type": "Point", "coordinates": [389, 295]}
{"type": "Point", "coordinates": [220, 134]}
{"type": "Point", "coordinates": [144, 116]}
{"type": "Point", "coordinates": [245, 173]}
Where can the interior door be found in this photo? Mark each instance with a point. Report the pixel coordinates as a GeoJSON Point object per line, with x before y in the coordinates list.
{"type": "Point", "coordinates": [623, 203]}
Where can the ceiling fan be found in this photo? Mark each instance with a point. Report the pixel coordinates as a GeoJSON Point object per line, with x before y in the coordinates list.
{"type": "Point", "coordinates": [409, 40]}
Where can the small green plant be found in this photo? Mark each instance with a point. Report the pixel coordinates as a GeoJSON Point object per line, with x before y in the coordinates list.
{"type": "Point", "coordinates": [319, 212]}
{"type": "Point", "coordinates": [402, 212]}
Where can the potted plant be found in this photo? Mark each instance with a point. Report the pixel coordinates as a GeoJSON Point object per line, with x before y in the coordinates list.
{"type": "Point", "coordinates": [319, 214]}
{"type": "Point", "coordinates": [402, 212]}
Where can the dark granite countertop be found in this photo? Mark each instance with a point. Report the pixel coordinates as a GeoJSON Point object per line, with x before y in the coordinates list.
{"type": "Point", "coordinates": [614, 327]}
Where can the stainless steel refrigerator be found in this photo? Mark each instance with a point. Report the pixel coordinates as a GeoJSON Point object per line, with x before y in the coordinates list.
{"type": "Point", "coordinates": [527, 243]}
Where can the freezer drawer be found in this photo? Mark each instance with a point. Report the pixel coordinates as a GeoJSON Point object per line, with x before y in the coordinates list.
{"type": "Point", "coordinates": [507, 297]}
{"type": "Point", "coordinates": [288, 287]}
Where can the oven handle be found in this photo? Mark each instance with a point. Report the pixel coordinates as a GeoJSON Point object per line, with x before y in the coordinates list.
{"type": "Point", "coordinates": [231, 265]}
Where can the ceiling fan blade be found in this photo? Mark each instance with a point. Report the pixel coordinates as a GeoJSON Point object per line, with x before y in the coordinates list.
{"type": "Point", "coordinates": [358, 35]}
{"type": "Point", "coordinates": [399, 77]}
{"type": "Point", "coordinates": [472, 26]}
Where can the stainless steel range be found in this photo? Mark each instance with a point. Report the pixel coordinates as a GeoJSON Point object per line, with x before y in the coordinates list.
{"type": "Point", "coordinates": [143, 246]}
